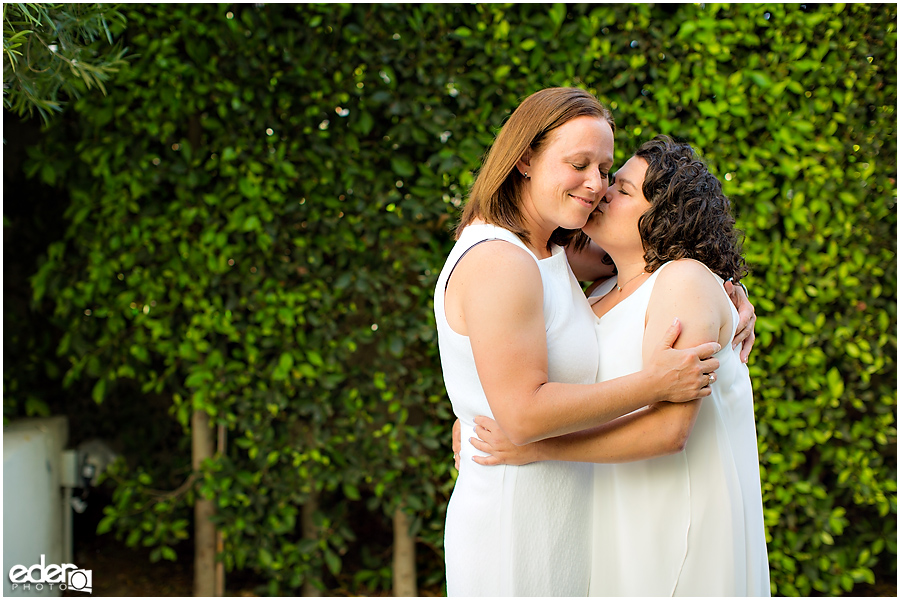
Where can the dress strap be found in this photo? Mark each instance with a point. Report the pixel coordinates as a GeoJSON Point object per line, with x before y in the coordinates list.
{"type": "Point", "coordinates": [487, 233]}
{"type": "Point", "coordinates": [450, 274]}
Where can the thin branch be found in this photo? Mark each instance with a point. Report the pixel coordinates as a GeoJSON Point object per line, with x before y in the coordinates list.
{"type": "Point", "coordinates": [166, 495]}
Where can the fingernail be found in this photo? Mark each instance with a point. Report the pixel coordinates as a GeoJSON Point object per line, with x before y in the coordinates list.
{"type": "Point", "coordinates": [675, 321]}
{"type": "Point", "coordinates": [720, 347]}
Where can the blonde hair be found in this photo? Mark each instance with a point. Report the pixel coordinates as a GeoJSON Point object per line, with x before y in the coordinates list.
{"type": "Point", "coordinates": [496, 195]}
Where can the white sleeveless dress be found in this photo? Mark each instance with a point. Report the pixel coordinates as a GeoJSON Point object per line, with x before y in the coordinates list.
{"type": "Point", "coordinates": [518, 531]}
{"type": "Point", "coordinates": [688, 524]}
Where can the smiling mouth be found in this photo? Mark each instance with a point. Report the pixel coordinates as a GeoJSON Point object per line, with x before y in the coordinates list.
{"type": "Point", "coordinates": [585, 201]}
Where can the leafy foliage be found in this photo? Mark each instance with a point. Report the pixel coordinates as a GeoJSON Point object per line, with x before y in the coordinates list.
{"type": "Point", "coordinates": [261, 205]}
{"type": "Point", "coordinates": [54, 48]}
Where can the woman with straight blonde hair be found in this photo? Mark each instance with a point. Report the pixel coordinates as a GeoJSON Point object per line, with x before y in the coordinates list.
{"type": "Point", "coordinates": [517, 344]}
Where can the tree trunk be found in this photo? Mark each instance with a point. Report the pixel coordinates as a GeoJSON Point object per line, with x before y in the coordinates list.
{"type": "Point", "coordinates": [309, 532]}
{"type": "Point", "coordinates": [404, 556]}
{"type": "Point", "coordinates": [220, 539]}
{"type": "Point", "coordinates": [202, 447]}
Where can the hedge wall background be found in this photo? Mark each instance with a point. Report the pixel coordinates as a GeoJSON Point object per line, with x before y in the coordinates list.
{"type": "Point", "coordinates": [252, 220]}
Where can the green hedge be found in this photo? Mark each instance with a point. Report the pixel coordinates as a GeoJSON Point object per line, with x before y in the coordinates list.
{"type": "Point", "coordinates": [260, 207]}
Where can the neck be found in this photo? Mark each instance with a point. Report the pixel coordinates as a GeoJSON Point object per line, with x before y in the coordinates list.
{"type": "Point", "coordinates": [538, 229]}
{"type": "Point", "coordinates": [628, 265]}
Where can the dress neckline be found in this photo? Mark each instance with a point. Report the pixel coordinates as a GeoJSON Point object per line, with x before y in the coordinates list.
{"type": "Point", "coordinates": [555, 250]}
{"type": "Point", "coordinates": [611, 283]}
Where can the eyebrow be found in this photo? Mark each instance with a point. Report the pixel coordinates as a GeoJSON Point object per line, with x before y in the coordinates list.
{"type": "Point", "coordinates": [622, 180]}
{"type": "Point", "coordinates": [585, 156]}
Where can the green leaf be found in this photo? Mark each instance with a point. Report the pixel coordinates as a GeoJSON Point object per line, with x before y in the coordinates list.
{"type": "Point", "coordinates": [351, 492]}
{"type": "Point", "coordinates": [315, 358]}
{"type": "Point", "coordinates": [365, 123]}
{"type": "Point", "coordinates": [99, 391]}
{"type": "Point", "coordinates": [265, 557]}
{"type": "Point", "coordinates": [402, 166]}
{"type": "Point", "coordinates": [761, 79]}
{"type": "Point", "coordinates": [557, 14]}
{"type": "Point", "coordinates": [198, 379]}
{"type": "Point", "coordinates": [133, 538]}
{"type": "Point", "coordinates": [251, 223]}
{"type": "Point", "coordinates": [168, 553]}
{"type": "Point", "coordinates": [333, 561]}
{"type": "Point", "coordinates": [105, 524]}
{"type": "Point", "coordinates": [687, 28]}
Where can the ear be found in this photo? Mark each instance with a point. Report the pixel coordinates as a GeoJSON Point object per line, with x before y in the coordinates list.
{"type": "Point", "coordinates": [524, 163]}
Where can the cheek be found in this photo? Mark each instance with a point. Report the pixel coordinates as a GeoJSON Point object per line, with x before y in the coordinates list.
{"type": "Point", "coordinates": [571, 179]}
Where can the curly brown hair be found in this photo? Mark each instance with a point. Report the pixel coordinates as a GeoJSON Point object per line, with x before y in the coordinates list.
{"type": "Point", "coordinates": [689, 216]}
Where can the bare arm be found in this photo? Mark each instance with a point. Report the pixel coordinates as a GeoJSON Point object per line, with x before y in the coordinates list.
{"type": "Point", "coordinates": [659, 429]}
{"type": "Point", "coordinates": [587, 263]}
{"type": "Point", "coordinates": [495, 297]}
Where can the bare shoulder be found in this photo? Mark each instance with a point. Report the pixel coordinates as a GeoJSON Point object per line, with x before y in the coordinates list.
{"type": "Point", "coordinates": [686, 289]}
{"type": "Point", "coordinates": [499, 265]}
{"type": "Point", "coordinates": [688, 277]}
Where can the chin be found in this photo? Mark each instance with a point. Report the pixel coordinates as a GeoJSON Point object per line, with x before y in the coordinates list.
{"type": "Point", "coordinates": [577, 221]}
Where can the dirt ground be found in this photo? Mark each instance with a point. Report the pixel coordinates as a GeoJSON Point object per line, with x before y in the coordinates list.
{"type": "Point", "coordinates": [122, 571]}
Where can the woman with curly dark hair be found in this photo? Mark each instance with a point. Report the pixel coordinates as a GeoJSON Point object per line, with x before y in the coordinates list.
{"type": "Point", "coordinates": [677, 506]}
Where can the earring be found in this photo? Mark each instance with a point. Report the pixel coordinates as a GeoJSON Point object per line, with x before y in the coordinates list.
{"type": "Point", "coordinates": [525, 173]}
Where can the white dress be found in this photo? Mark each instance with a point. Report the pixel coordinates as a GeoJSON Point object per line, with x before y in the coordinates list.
{"type": "Point", "coordinates": [518, 531]}
{"type": "Point", "coordinates": [688, 524]}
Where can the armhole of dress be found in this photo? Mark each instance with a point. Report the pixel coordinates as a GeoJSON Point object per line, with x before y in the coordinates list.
{"type": "Point", "coordinates": [732, 310]}
{"type": "Point", "coordinates": [447, 283]}
{"type": "Point", "coordinates": [654, 276]}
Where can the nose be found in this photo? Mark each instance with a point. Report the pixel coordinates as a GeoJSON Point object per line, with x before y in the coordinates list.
{"type": "Point", "coordinates": [596, 183]}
